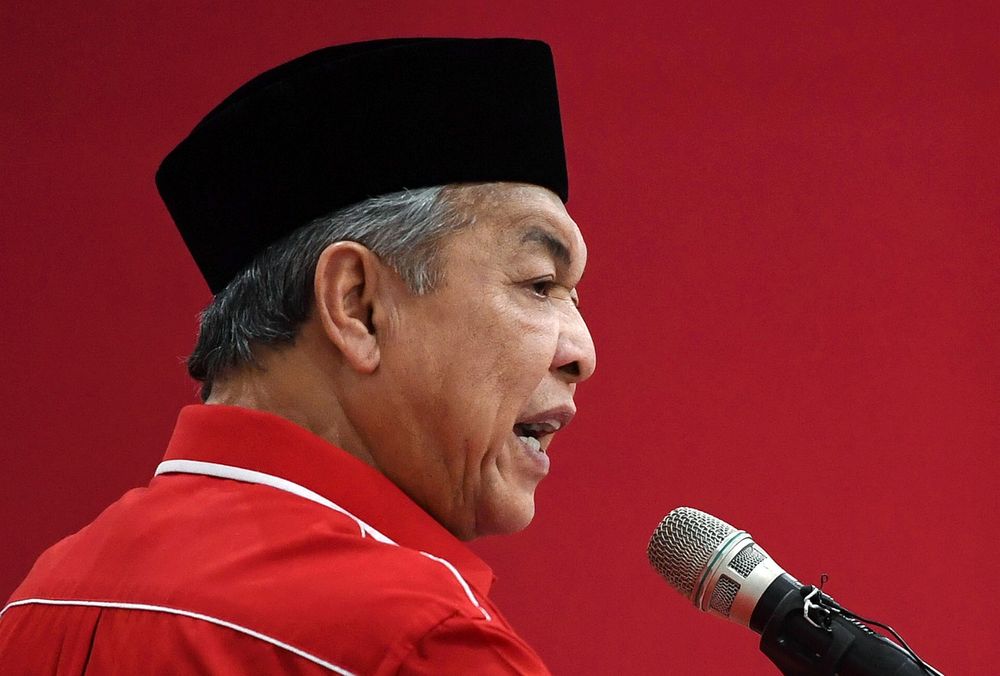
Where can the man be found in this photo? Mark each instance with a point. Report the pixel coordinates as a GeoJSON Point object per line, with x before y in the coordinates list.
{"type": "Point", "coordinates": [393, 342]}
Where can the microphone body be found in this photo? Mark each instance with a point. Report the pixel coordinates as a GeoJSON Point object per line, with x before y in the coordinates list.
{"type": "Point", "coordinates": [803, 631]}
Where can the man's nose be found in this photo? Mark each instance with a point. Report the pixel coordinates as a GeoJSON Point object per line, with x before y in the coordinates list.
{"type": "Point", "coordinates": [575, 358]}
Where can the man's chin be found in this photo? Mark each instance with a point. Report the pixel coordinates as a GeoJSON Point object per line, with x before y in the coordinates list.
{"type": "Point", "coordinates": [510, 518]}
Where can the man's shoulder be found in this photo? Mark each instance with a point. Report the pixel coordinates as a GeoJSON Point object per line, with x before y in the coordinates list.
{"type": "Point", "coordinates": [247, 560]}
{"type": "Point", "coordinates": [244, 550]}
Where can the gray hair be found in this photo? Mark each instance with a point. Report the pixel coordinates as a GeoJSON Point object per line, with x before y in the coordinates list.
{"type": "Point", "coordinates": [267, 302]}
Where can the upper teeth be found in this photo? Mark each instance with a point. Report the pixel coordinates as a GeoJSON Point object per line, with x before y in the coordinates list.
{"type": "Point", "coordinates": [543, 426]}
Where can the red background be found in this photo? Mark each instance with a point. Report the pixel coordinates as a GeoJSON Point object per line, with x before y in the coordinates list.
{"type": "Point", "coordinates": [793, 222]}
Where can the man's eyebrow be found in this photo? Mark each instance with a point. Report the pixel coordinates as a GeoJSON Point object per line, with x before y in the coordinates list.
{"type": "Point", "coordinates": [555, 246]}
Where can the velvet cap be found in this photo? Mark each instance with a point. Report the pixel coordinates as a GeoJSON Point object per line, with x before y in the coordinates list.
{"type": "Point", "coordinates": [350, 122]}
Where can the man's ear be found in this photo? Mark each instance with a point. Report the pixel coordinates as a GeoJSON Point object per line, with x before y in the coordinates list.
{"type": "Point", "coordinates": [346, 278]}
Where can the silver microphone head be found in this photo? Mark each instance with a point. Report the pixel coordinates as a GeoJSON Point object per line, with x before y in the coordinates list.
{"type": "Point", "coordinates": [719, 568]}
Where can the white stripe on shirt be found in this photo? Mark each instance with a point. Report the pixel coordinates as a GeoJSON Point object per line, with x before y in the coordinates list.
{"type": "Point", "coordinates": [251, 476]}
{"type": "Point", "coordinates": [185, 613]}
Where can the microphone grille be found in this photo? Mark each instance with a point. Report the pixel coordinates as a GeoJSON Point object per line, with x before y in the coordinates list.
{"type": "Point", "coordinates": [682, 545]}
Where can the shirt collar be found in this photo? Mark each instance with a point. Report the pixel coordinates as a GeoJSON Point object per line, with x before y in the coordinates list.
{"type": "Point", "coordinates": [264, 442]}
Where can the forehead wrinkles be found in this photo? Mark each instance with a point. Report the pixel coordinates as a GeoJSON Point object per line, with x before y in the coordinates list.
{"type": "Point", "coordinates": [507, 217]}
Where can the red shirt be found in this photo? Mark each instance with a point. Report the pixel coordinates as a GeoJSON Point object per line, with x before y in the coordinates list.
{"type": "Point", "coordinates": [259, 548]}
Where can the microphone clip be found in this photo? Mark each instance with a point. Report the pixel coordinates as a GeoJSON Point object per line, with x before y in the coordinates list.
{"type": "Point", "coordinates": [817, 614]}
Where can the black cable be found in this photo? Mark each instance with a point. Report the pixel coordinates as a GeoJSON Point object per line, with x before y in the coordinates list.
{"type": "Point", "coordinates": [854, 616]}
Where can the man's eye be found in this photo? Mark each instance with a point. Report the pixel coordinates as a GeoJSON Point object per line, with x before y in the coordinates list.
{"type": "Point", "coordinates": [543, 287]}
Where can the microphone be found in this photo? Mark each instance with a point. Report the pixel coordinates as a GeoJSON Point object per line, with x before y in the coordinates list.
{"type": "Point", "coordinates": [803, 631]}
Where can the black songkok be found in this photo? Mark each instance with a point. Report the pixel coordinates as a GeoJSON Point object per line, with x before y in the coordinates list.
{"type": "Point", "coordinates": [345, 123]}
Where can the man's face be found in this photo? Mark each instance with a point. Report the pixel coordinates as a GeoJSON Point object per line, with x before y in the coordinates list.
{"type": "Point", "coordinates": [480, 373]}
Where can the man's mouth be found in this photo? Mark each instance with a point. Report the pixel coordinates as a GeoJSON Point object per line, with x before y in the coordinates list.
{"type": "Point", "coordinates": [531, 434]}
